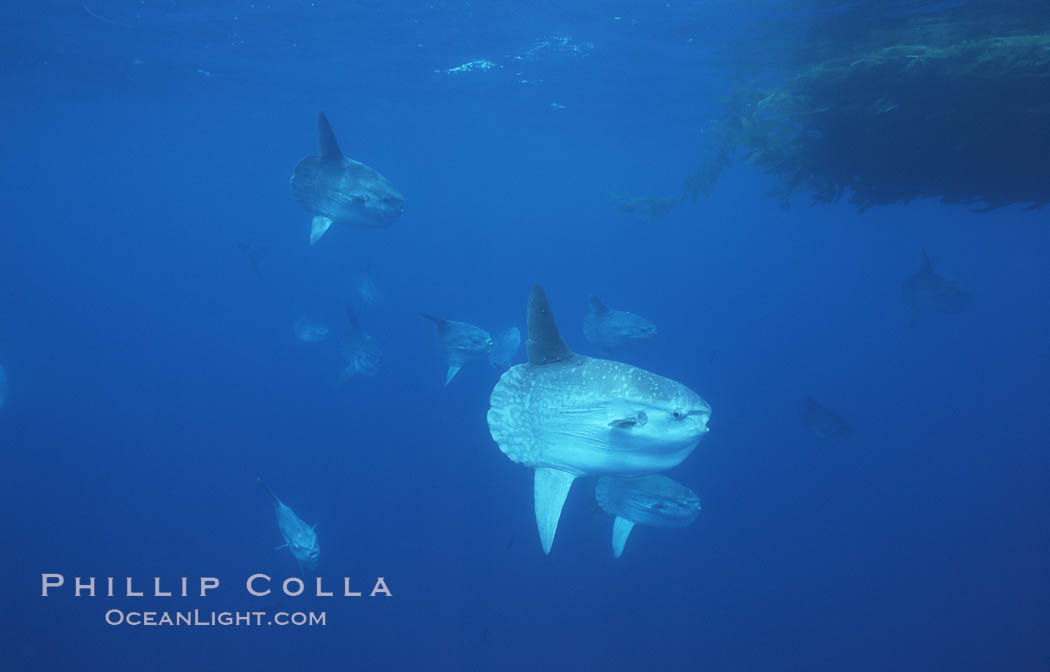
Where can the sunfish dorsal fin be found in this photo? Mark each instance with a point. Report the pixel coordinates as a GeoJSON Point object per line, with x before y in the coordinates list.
{"type": "Point", "coordinates": [550, 488]}
{"type": "Point", "coordinates": [544, 344]}
{"type": "Point", "coordinates": [326, 141]}
{"type": "Point", "coordinates": [438, 322]}
{"type": "Point", "coordinates": [621, 530]}
{"type": "Point", "coordinates": [924, 263]}
{"type": "Point", "coordinates": [597, 307]}
{"type": "Point", "coordinates": [268, 490]}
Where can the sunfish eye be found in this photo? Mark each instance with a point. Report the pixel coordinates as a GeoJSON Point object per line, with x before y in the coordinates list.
{"type": "Point", "coordinates": [677, 415]}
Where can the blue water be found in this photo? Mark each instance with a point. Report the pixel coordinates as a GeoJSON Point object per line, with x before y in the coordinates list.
{"type": "Point", "coordinates": [153, 370]}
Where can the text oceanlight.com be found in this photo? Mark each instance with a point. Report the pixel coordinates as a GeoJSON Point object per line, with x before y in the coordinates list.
{"type": "Point", "coordinates": [197, 617]}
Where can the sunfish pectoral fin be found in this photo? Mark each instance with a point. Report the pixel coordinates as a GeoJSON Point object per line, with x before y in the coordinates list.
{"type": "Point", "coordinates": [621, 530]}
{"type": "Point", "coordinates": [452, 371]}
{"type": "Point", "coordinates": [550, 488]}
{"type": "Point", "coordinates": [640, 418]}
{"type": "Point", "coordinates": [318, 227]}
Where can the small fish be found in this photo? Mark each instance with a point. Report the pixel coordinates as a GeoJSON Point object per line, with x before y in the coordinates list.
{"type": "Point", "coordinates": [611, 329]}
{"type": "Point", "coordinates": [506, 347]}
{"type": "Point", "coordinates": [645, 500]}
{"type": "Point", "coordinates": [927, 292]}
{"type": "Point", "coordinates": [299, 538]}
{"type": "Point", "coordinates": [822, 422]}
{"type": "Point", "coordinates": [308, 331]}
{"type": "Point", "coordinates": [335, 188]}
{"type": "Point", "coordinates": [461, 343]}
{"type": "Point", "coordinates": [360, 351]}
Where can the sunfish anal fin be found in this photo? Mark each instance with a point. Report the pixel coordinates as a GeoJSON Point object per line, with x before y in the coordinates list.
{"type": "Point", "coordinates": [318, 227]}
{"type": "Point", "coordinates": [452, 371]}
{"type": "Point", "coordinates": [550, 488]}
{"type": "Point", "coordinates": [544, 344]}
{"type": "Point", "coordinates": [621, 530]}
{"type": "Point", "coordinates": [326, 140]}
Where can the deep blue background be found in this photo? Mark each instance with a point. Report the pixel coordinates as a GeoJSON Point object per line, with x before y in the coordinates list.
{"type": "Point", "coordinates": [153, 373]}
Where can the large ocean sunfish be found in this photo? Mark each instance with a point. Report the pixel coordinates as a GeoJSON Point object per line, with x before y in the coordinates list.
{"type": "Point", "coordinates": [566, 416]}
{"type": "Point", "coordinates": [299, 538]}
{"type": "Point", "coordinates": [337, 189]}
{"type": "Point", "coordinates": [646, 500]}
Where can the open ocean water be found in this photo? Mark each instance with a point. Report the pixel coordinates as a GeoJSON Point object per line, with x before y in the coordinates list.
{"type": "Point", "coordinates": [154, 265]}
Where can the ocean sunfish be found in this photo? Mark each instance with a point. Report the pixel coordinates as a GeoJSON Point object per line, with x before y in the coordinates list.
{"type": "Point", "coordinates": [611, 329]}
{"type": "Point", "coordinates": [368, 291]}
{"type": "Point", "coordinates": [336, 189]}
{"type": "Point", "coordinates": [505, 348]}
{"type": "Point", "coordinates": [645, 500]}
{"type": "Point", "coordinates": [299, 538]}
{"type": "Point", "coordinates": [361, 353]}
{"type": "Point", "coordinates": [927, 292]}
{"type": "Point", "coordinates": [566, 415]}
{"type": "Point", "coordinates": [461, 343]}
{"type": "Point", "coordinates": [822, 422]}
{"type": "Point", "coordinates": [308, 331]}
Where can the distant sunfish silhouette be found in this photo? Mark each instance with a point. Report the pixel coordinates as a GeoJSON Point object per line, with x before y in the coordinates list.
{"type": "Point", "coordinates": [565, 416]}
{"type": "Point", "coordinates": [927, 292]}
{"type": "Point", "coordinates": [308, 331]}
{"type": "Point", "coordinates": [823, 422]}
{"type": "Point", "coordinates": [610, 329]}
{"type": "Point", "coordinates": [646, 500]}
{"type": "Point", "coordinates": [361, 352]}
{"type": "Point", "coordinates": [461, 343]}
{"type": "Point", "coordinates": [299, 538]}
{"type": "Point", "coordinates": [368, 291]}
{"type": "Point", "coordinates": [337, 189]}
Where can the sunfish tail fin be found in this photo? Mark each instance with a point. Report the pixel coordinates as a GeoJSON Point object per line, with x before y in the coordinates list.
{"type": "Point", "coordinates": [326, 139]}
{"type": "Point", "coordinates": [550, 488]}
{"type": "Point", "coordinates": [544, 344]}
{"type": "Point", "coordinates": [268, 490]}
{"type": "Point", "coordinates": [621, 530]}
